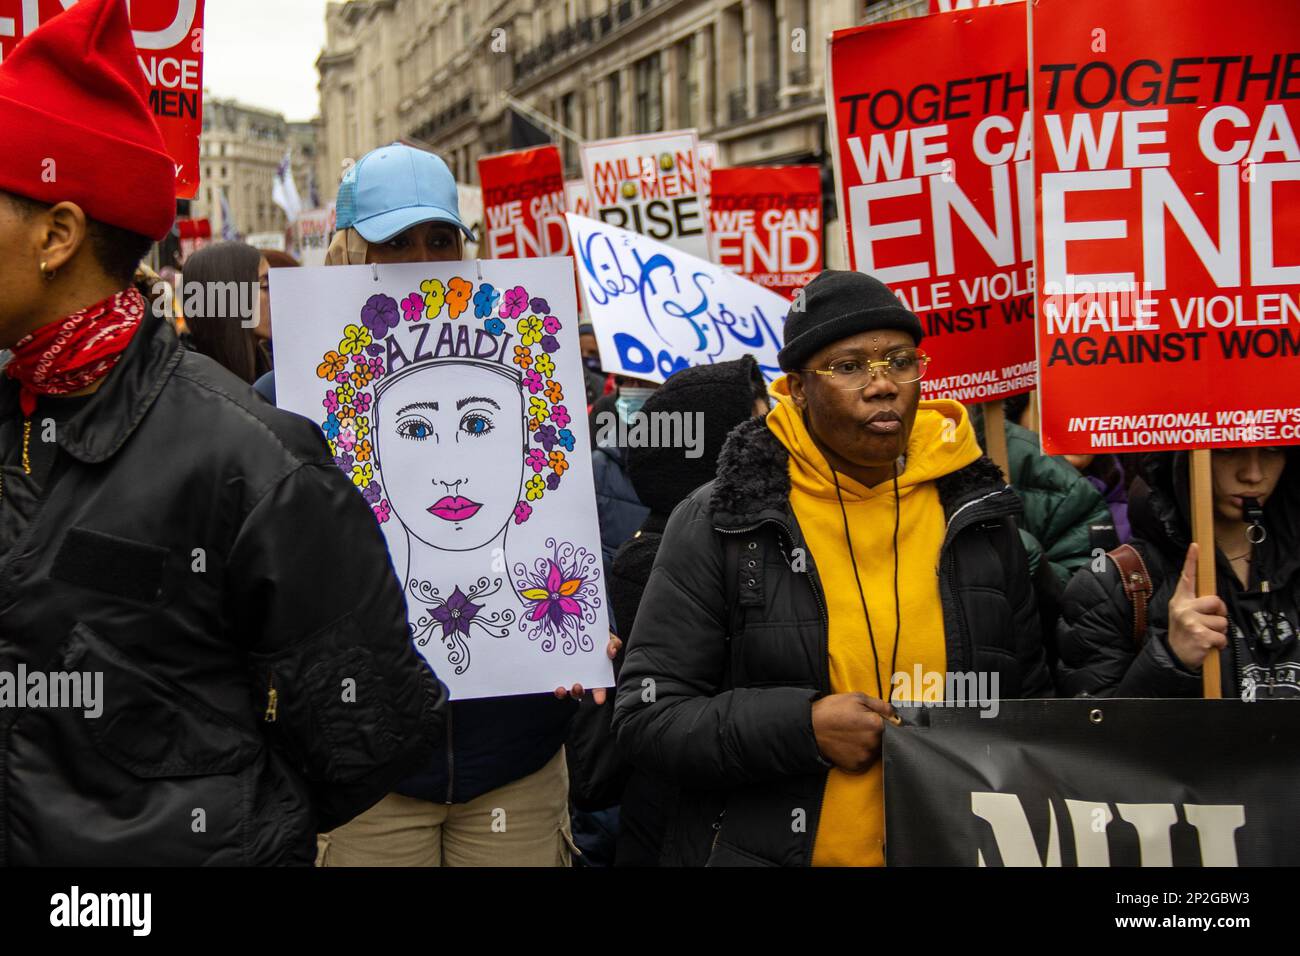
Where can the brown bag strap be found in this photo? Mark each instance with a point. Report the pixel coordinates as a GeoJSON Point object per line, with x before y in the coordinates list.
{"type": "Point", "coordinates": [1138, 588]}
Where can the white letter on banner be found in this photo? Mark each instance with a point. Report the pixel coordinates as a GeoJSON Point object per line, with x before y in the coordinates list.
{"type": "Point", "coordinates": [170, 36]}
{"type": "Point", "coordinates": [1011, 830]}
{"type": "Point", "coordinates": [1090, 845]}
{"type": "Point", "coordinates": [1215, 825]}
{"type": "Point", "coordinates": [864, 233]}
{"type": "Point", "coordinates": [1057, 231]}
{"type": "Point", "coordinates": [1152, 822]}
{"type": "Point", "coordinates": [1222, 261]}
{"type": "Point", "coordinates": [947, 198]}
{"type": "Point", "coordinates": [1263, 270]}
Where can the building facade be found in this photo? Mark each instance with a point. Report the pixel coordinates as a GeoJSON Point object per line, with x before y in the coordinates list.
{"type": "Point", "coordinates": [748, 74]}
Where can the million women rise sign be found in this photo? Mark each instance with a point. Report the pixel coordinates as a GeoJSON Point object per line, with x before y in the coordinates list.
{"type": "Point", "coordinates": [932, 156]}
{"type": "Point", "coordinates": [1169, 223]}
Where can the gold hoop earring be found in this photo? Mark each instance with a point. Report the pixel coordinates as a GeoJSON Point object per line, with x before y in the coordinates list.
{"type": "Point", "coordinates": [47, 275]}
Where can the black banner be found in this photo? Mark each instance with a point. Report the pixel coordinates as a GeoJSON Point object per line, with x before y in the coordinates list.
{"type": "Point", "coordinates": [1093, 782]}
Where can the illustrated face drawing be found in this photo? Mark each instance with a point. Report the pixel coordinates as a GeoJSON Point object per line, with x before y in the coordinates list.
{"type": "Point", "coordinates": [443, 431]}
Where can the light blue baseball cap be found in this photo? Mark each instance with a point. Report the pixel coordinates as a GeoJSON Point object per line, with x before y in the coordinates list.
{"type": "Point", "coordinates": [394, 188]}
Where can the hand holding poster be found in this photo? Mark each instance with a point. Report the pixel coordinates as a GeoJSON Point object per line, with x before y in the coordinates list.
{"type": "Point", "coordinates": [1169, 217]}
{"type": "Point", "coordinates": [452, 396]}
{"type": "Point", "coordinates": [169, 39]}
{"type": "Point", "coordinates": [767, 224]}
{"type": "Point", "coordinates": [651, 184]}
{"type": "Point", "coordinates": [657, 310]}
{"type": "Point", "coordinates": [524, 203]}
{"type": "Point", "coordinates": [931, 128]}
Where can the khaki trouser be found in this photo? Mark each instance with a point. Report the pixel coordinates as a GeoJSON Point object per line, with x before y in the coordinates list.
{"type": "Point", "coordinates": [524, 823]}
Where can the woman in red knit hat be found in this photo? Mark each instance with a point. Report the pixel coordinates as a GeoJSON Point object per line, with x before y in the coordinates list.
{"type": "Point", "coordinates": [162, 561]}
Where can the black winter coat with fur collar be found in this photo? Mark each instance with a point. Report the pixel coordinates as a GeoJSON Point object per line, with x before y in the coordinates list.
{"type": "Point", "coordinates": [735, 665]}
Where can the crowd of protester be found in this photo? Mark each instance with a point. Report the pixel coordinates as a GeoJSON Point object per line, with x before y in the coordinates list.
{"type": "Point", "coordinates": [837, 529]}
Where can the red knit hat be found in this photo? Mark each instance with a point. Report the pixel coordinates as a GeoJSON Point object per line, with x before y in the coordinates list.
{"type": "Point", "coordinates": [73, 94]}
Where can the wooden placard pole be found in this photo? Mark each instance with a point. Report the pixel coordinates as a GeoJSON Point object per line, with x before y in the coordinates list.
{"type": "Point", "coordinates": [995, 437]}
{"type": "Point", "coordinates": [1031, 413]}
{"type": "Point", "coordinates": [1203, 534]}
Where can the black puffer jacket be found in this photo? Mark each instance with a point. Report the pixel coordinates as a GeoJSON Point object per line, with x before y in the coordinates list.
{"type": "Point", "coordinates": [200, 550]}
{"type": "Point", "coordinates": [730, 716]}
{"type": "Point", "coordinates": [1095, 645]}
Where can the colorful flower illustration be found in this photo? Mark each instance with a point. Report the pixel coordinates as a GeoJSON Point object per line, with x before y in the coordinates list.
{"type": "Point", "coordinates": [413, 307]}
{"type": "Point", "coordinates": [434, 296]}
{"type": "Point", "coordinates": [458, 291]}
{"type": "Point", "coordinates": [523, 510]}
{"type": "Point", "coordinates": [545, 365]}
{"type": "Point", "coordinates": [382, 511]}
{"type": "Point", "coordinates": [565, 438]}
{"type": "Point", "coordinates": [363, 402]}
{"type": "Point", "coordinates": [376, 366]}
{"type": "Point", "coordinates": [456, 614]}
{"type": "Point", "coordinates": [361, 376]}
{"type": "Point", "coordinates": [331, 427]}
{"type": "Point", "coordinates": [530, 330]}
{"type": "Point", "coordinates": [345, 393]}
{"type": "Point", "coordinates": [523, 357]}
{"type": "Point", "coordinates": [553, 481]}
{"type": "Point", "coordinates": [372, 493]}
{"type": "Point", "coordinates": [347, 439]}
{"type": "Point", "coordinates": [554, 392]}
{"type": "Point", "coordinates": [342, 376]}
{"type": "Point", "coordinates": [560, 416]}
{"type": "Point", "coordinates": [364, 450]}
{"type": "Point", "coordinates": [363, 427]}
{"type": "Point", "coordinates": [556, 460]}
{"type": "Point", "coordinates": [538, 409]}
{"type": "Point", "coordinates": [355, 338]}
{"type": "Point", "coordinates": [550, 343]}
{"type": "Point", "coordinates": [362, 475]}
{"type": "Point", "coordinates": [563, 593]}
{"type": "Point", "coordinates": [379, 315]}
{"type": "Point", "coordinates": [545, 436]}
{"type": "Point", "coordinates": [331, 402]}
{"type": "Point", "coordinates": [551, 324]}
{"type": "Point", "coordinates": [515, 303]}
{"type": "Point", "coordinates": [534, 487]}
{"type": "Point", "coordinates": [485, 300]}
{"type": "Point", "coordinates": [494, 326]}
{"type": "Point", "coordinates": [333, 364]}
{"type": "Point", "coordinates": [533, 381]}
{"type": "Point", "coordinates": [344, 462]}
{"type": "Point", "coordinates": [539, 306]}
{"type": "Point", "coordinates": [536, 460]}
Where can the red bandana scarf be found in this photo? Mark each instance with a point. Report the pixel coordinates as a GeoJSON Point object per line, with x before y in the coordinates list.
{"type": "Point", "coordinates": [71, 354]}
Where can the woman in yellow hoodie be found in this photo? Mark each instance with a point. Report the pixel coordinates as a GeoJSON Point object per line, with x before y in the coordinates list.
{"type": "Point", "coordinates": [854, 539]}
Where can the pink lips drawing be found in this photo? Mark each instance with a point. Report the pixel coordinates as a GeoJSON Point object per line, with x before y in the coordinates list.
{"type": "Point", "coordinates": [454, 508]}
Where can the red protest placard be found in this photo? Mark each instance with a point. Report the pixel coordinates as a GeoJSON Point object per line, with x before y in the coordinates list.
{"type": "Point", "coordinates": [1169, 223]}
{"type": "Point", "coordinates": [931, 131]}
{"type": "Point", "coordinates": [169, 40]}
{"type": "Point", "coordinates": [767, 224]}
{"type": "Point", "coordinates": [524, 203]}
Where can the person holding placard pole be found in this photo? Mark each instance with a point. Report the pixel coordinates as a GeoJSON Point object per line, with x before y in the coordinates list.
{"type": "Point", "coordinates": [1150, 625]}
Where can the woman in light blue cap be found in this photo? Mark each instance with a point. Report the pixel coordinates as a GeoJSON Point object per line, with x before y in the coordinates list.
{"type": "Point", "coordinates": [398, 204]}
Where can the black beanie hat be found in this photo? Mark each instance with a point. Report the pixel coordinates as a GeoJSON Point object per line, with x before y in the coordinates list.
{"type": "Point", "coordinates": [839, 304]}
{"type": "Point", "coordinates": [725, 394]}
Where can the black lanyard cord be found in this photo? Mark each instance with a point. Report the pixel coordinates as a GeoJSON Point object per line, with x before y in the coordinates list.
{"type": "Point", "coordinates": [898, 615]}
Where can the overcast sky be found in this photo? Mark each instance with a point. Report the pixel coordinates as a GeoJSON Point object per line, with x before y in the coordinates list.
{"type": "Point", "coordinates": [263, 53]}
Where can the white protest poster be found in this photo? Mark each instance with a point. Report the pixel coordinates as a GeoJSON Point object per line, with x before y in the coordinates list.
{"type": "Point", "coordinates": [657, 310]}
{"type": "Point", "coordinates": [451, 394]}
{"type": "Point", "coordinates": [652, 184]}
{"type": "Point", "coordinates": [311, 233]}
{"type": "Point", "coordinates": [706, 150]}
{"type": "Point", "coordinates": [576, 196]}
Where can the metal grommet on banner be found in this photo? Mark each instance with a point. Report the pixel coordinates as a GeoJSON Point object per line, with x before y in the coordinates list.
{"type": "Point", "coordinates": [374, 270]}
{"type": "Point", "coordinates": [1095, 715]}
{"type": "Point", "coordinates": [478, 264]}
{"type": "Point", "coordinates": [1256, 534]}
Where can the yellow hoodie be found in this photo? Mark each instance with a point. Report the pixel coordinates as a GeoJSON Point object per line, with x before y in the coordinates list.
{"type": "Point", "coordinates": [851, 830]}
